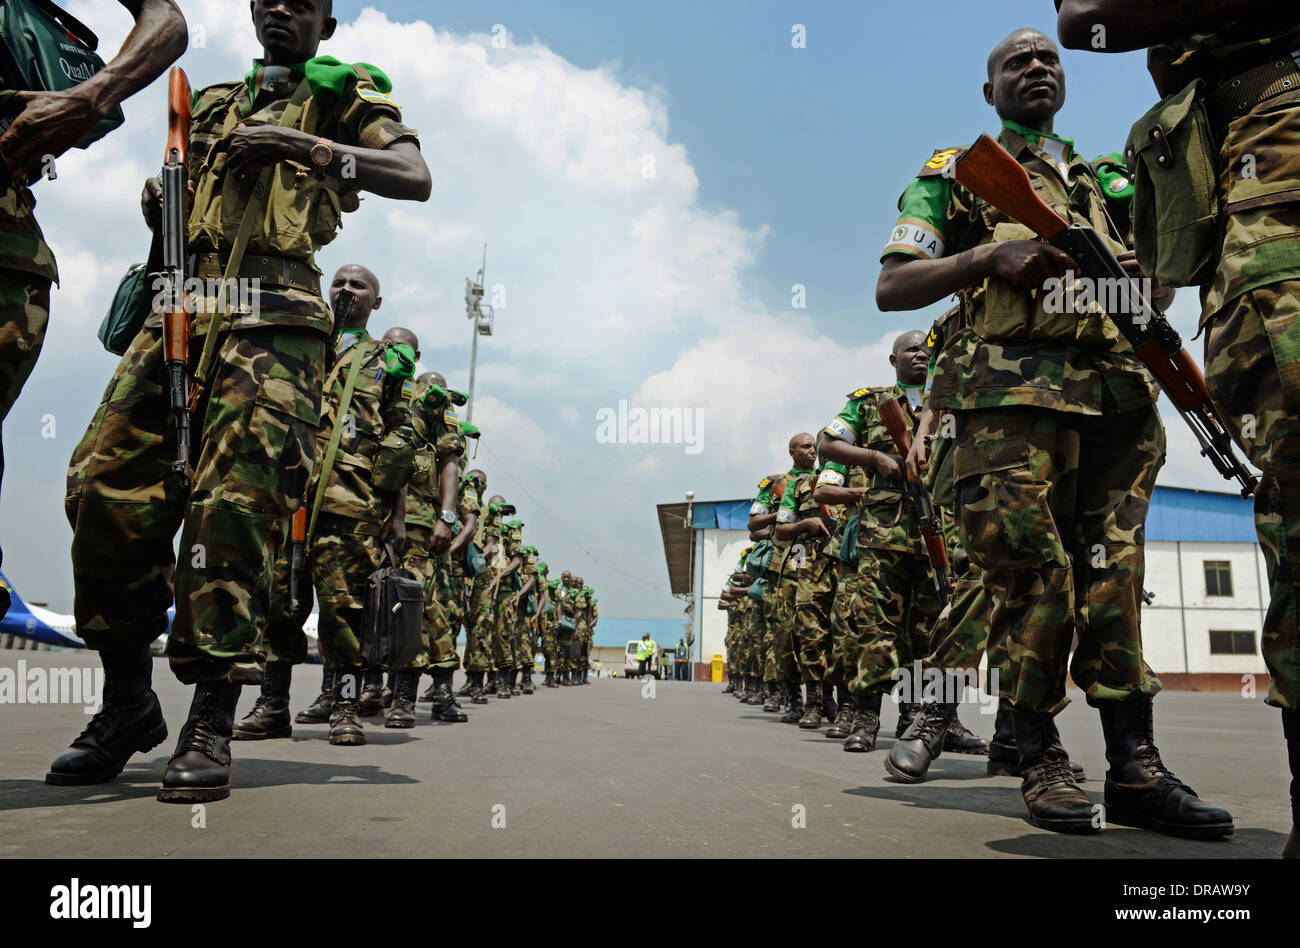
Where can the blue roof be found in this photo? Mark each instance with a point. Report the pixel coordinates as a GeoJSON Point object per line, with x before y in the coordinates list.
{"type": "Point", "coordinates": [616, 633]}
{"type": "Point", "coordinates": [1182, 515]}
{"type": "Point", "coordinates": [722, 515]}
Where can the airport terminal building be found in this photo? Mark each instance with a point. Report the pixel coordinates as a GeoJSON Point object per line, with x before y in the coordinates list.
{"type": "Point", "coordinates": [1203, 565]}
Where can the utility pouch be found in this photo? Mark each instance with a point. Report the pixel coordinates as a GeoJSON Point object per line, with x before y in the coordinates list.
{"type": "Point", "coordinates": [1172, 154]}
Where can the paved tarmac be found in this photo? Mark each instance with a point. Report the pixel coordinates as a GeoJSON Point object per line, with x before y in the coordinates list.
{"type": "Point", "coordinates": [609, 770]}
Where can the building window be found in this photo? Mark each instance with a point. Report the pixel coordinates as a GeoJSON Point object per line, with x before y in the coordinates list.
{"type": "Point", "coordinates": [1232, 643]}
{"type": "Point", "coordinates": [1218, 578]}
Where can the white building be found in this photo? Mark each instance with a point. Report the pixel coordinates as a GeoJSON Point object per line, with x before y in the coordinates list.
{"type": "Point", "coordinates": [1204, 567]}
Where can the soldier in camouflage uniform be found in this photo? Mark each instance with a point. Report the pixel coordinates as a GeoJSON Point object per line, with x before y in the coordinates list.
{"type": "Point", "coordinates": [564, 616]}
{"type": "Point", "coordinates": [582, 635]}
{"type": "Point", "coordinates": [889, 618]}
{"type": "Point", "coordinates": [356, 512]}
{"type": "Point", "coordinates": [504, 561]}
{"type": "Point", "coordinates": [525, 643]}
{"type": "Point", "coordinates": [780, 668]}
{"type": "Point", "coordinates": [1053, 527]}
{"type": "Point", "coordinates": [452, 585]}
{"type": "Point", "coordinates": [591, 613]}
{"type": "Point", "coordinates": [1246, 54]}
{"type": "Point", "coordinates": [478, 603]}
{"type": "Point", "coordinates": [547, 589]}
{"type": "Point", "coordinates": [253, 431]}
{"type": "Point", "coordinates": [38, 127]}
{"type": "Point", "coordinates": [432, 501]}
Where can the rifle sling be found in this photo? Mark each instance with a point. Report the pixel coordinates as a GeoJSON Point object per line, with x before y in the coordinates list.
{"type": "Point", "coordinates": [252, 211]}
{"type": "Point", "coordinates": [362, 352]}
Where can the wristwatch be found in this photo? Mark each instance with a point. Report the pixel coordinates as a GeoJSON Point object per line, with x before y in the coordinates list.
{"type": "Point", "coordinates": [322, 156]}
{"type": "Point", "coordinates": [448, 517]}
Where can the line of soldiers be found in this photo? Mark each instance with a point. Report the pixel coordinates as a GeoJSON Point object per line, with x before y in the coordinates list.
{"type": "Point", "coordinates": [275, 158]}
{"type": "Point", "coordinates": [1035, 427]}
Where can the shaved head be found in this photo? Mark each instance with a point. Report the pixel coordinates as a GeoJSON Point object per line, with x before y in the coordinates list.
{"type": "Point", "coordinates": [432, 378]}
{"type": "Point", "coordinates": [356, 271]}
{"type": "Point", "coordinates": [798, 438]}
{"type": "Point", "coordinates": [906, 339]}
{"type": "Point", "coordinates": [399, 335]}
{"type": "Point", "coordinates": [1012, 40]}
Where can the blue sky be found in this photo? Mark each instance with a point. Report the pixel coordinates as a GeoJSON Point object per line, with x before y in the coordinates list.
{"type": "Point", "coordinates": [774, 166]}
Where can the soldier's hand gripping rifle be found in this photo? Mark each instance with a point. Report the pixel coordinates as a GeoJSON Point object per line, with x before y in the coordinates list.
{"type": "Point", "coordinates": [176, 323]}
{"type": "Point", "coordinates": [991, 173]}
{"type": "Point", "coordinates": [927, 518]}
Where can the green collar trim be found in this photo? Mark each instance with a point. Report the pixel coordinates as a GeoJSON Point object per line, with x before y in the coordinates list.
{"type": "Point", "coordinates": [1034, 136]}
{"type": "Point", "coordinates": [801, 470]}
{"type": "Point", "coordinates": [326, 75]}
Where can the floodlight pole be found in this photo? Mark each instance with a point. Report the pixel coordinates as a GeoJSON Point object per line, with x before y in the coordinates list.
{"type": "Point", "coordinates": [473, 295]}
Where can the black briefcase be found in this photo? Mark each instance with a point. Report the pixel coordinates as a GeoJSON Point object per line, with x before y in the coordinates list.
{"type": "Point", "coordinates": [393, 616]}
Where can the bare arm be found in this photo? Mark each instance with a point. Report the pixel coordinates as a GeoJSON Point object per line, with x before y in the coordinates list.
{"type": "Point", "coordinates": [850, 455]}
{"type": "Point", "coordinates": [832, 495]}
{"type": "Point", "coordinates": [1128, 25]}
{"type": "Point", "coordinates": [52, 122]}
{"type": "Point", "coordinates": [911, 283]}
{"type": "Point", "coordinates": [759, 522]}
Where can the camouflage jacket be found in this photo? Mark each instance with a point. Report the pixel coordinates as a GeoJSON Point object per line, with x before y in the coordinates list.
{"type": "Point", "coordinates": [885, 520]}
{"type": "Point", "coordinates": [810, 557]}
{"type": "Point", "coordinates": [437, 438]}
{"type": "Point", "coordinates": [771, 491]}
{"type": "Point", "coordinates": [302, 213]}
{"type": "Point", "coordinates": [379, 408]}
{"type": "Point", "coordinates": [1022, 349]}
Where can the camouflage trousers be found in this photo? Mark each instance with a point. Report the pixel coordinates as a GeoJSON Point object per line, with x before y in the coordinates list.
{"type": "Point", "coordinates": [814, 600]}
{"type": "Point", "coordinates": [344, 552]}
{"type": "Point", "coordinates": [24, 314]}
{"type": "Point", "coordinates": [253, 445]}
{"type": "Point", "coordinates": [1058, 533]}
{"type": "Point", "coordinates": [525, 645]}
{"type": "Point", "coordinates": [479, 618]}
{"type": "Point", "coordinates": [842, 666]}
{"type": "Point", "coordinates": [960, 637]}
{"type": "Point", "coordinates": [888, 620]}
{"type": "Point", "coordinates": [503, 628]}
{"type": "Point", "coordinates": [1252, 367]}
{"type": "Point", "coordinates": [779, 663]}
{"type": "Point", "coordinates": [566, 660]}
{"type": "Point", "coordinates": [283, 638]}
{"type": "Point", "coordinates": [437, 615]}
{"type": "Point", "coordinates": [455, 597]}
{"type": "Point", "coordinates": [550, 645]}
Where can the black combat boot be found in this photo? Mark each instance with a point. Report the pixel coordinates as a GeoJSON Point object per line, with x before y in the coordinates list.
{"type": "Point", "coordinates": [432, 690]}
{"type": "Point", "coordinates": [526, 681]}
{"type": "Point", "coordinates": [731, 685]}
{"type": "Point", "coordinates": [794, 697]}
{"type": "Point", "coordinates": [402, 712]}
{"type": "Point", "coordinates": [468, 686]}
{"type": "Point", "coordinates": [846, 715]}
{"type": "Point", "coordinates": [390, 689]}
{"type": "Point", "coordinates": [1004, 756]}
{"type": "Point", "coordinates": [318, 712]}
{"type": "Point", "coordinates": [1140, 790]}
{"type": "Point", "coordinates": [515, 675]}
{"type": "Point", "coordinates": [270, 715]}
{"type": "Point", "coordinates": [199, 771]}
{"type": "Point", "coordinates": [758, 695]}
{"type": "Point", "coordinates": [477, 693]}
{"type": "Point", "coordinates": [129, 721]}
{"type": "Point", "coordinates": [1291, 728]}
{"type": "Point", "coordinates": [445, 705]}
{"type": "Point", "coordinates": [345, 720]}
{"type": "Point", "coordinates": [741, 693]}
{"type": "Point", "coordinates": [906, 713]}
{"type": "Point", "coordinates": [490, 684]}
{"type": "Point", "coordinates": [922, 743]}
{"type": "Point", "coordinates": [503, 682]}
{"type": "Point", "coordinates": [867, 725]}
{"type": "Point", "coordinates": [961, 740]}
{"type": "Point", "coordinates": [818, 705]}
{"type": "Point", "coordinates": [370, 703]}
{"type": "Point", "coordinates": [549, 681]}
{"type": "Point", "coordinates": [1053, 799]}
{"type": "Point", "coordinates": [775, 697]}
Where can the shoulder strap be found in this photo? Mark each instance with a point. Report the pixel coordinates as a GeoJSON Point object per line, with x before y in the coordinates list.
{"type": "Point", "coordinates": [252, 211]}
{"type": "Point", "coordinates": [362, 350]}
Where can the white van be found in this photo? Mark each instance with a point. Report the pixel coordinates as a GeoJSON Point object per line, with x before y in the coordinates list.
{"type": "Point", "coordinates": [632, 667]}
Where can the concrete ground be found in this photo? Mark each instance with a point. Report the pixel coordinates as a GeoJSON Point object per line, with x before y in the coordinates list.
{"type": "Point", "coordinates": [609, 770]}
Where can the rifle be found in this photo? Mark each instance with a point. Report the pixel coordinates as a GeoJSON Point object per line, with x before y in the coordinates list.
{"type": "Point", "coordinates": [991, 173]}
{"type": "Point", "coordinates": [927, 518]}
{"type": "Point", "coordinates": [342, 310]}
{"type": "Point", "coordinates": [298, 541]}
{"type": "Point", "coordinates": [176, 324]}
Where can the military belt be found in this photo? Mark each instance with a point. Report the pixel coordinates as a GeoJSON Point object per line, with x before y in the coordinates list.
{"type": "Point", "coordinates": [1238, 96]}
{"type": "Point", "coordinates": [272, 271]}
{"type": "Point", "coordinates": [338, 525]}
